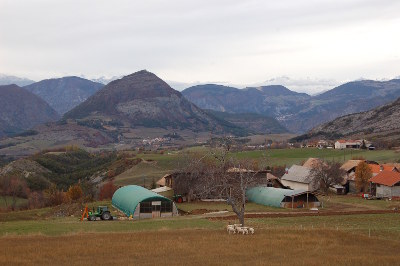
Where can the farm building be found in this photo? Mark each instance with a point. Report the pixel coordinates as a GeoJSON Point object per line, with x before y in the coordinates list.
{"type": "Point", "coordinates": [348, 144]}
{"type": "Point", "coordinates": [350, 168]}
{"type": "Point", "coordinates": [164, 191]}
{"type": "Point", "coordinates": [142, 203]}
{"type": "Point", "coordinates": [298, 177]}
{"type": "Point", "coordinates": [284, 198]}
{"type": "Point", "coordinates": [386, 184]}
{"type": "Point", "coordinates": [165, 181]}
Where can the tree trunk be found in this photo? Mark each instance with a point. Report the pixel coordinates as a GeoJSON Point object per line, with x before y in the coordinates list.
{"type": "Point", "coordinates": [241, 218]}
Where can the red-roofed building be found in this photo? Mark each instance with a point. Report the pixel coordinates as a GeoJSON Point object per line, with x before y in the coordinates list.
{"type": "Point", "coordinates": [386, 184]}
{"type": "Point", "coordinates": [348, 144]}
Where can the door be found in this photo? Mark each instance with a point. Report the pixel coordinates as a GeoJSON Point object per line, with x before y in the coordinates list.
{"type": "Point", "coordinates": [156, 209]}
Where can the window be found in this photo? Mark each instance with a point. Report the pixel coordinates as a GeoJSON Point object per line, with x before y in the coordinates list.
{"type": "Point", "coordinates": [145, 207]}
{"type": "Point", "coordinates": [166, 206]}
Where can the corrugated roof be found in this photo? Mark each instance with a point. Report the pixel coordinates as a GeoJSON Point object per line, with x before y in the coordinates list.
{"type": "Point", "coordinates": [387, 178]}
{"type": "Point", "coordinates": [127, 198]}
{"type": "Point", "coordinates": [270, 196]}
{"type": "Point", "coordinates": [298, 173]}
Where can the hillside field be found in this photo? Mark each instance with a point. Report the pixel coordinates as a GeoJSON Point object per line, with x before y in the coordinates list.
{"type": "Point", "coordinates": [156, 165]}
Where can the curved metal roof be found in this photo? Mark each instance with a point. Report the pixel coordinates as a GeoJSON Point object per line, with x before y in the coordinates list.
{"type": "Point", "coordinates": [271, 196]}
{"type": "Point", "coordinates": [127, 198]}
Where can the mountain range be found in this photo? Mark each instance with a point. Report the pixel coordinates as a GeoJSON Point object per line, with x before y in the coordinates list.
{"type": "Point", "coordinates": [298, 112]}
{"type": "Point", "coordinates": [65, 93]}
{"type": "Point", "coordinates": [105, 114]}
{"type": "Point", "coordinates": [21, 110]}
{"type": "Point", "coordinates": [144, 100]}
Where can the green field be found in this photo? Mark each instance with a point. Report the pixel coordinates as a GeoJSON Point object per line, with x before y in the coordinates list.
{"type": "Point", "coordinates": [7, 201]}
{"type": "Point", "coordinates": [156, 165]}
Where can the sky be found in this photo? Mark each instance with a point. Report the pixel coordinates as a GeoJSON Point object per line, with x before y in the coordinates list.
{"type": "Point", "coordinates": [307, 45]}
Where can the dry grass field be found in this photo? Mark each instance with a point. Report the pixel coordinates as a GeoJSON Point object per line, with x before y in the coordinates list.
{"type": "Point", "coordinates": [200, 247]}
{"type": "Point", "coordinates": [42, 237]}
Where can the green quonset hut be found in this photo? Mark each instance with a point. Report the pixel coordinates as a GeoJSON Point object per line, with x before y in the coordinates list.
{"type": "Point", "coordinates": [142, 203]}
{"type": "Point", "coordinates": [283, 198]}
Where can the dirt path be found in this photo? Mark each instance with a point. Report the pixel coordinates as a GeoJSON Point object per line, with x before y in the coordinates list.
{"type": "Point", "coordinates": [300, 214]}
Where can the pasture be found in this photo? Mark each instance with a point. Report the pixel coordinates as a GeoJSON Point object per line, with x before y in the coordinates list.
{"type": "Point", "coordinates": [331, 240]}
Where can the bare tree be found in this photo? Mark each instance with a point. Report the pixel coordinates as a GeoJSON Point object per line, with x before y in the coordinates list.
{"type": "Point", "coordinates": [236, 183]}
{"type": "Point", "coordinates": [14, 187]}
{"type": "Point", "coordinates": [217, 174]}
{"type": "Point", "coordinates": [325, 174]}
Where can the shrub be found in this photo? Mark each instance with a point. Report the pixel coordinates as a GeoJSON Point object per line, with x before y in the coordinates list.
{"type": "Point", "coordinates": [107, 190]}
{"type": "Point", "coordinates": [75, 192]}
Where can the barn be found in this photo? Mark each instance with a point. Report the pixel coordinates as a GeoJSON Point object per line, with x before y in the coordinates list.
{"type": "Point", "coordinates": [140, 203]}
{"type": "Point", "coordinates": [283, 198]}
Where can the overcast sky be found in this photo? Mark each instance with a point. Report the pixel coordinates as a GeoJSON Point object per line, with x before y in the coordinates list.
{"type": "Point", "coordinates": [307, 45]}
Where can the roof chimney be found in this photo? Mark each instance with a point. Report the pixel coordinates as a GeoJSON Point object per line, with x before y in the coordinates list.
{"type": "Point", "coordinates": [381, 168]}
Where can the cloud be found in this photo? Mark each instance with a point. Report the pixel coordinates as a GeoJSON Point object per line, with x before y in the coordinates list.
{"type": "Point", "coordinates": [190, 41]}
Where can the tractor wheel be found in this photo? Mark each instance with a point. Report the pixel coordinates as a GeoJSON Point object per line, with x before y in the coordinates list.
{"type": "Point", "coordinates": [179, 200]}
{"type": "Point", "coordinates": [106, 216]}
{"type": "Point", "coordinates": [92, 218]}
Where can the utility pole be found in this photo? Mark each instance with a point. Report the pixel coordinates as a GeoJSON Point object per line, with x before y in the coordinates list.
{"type": "Point", "coordinates": [344, 155]}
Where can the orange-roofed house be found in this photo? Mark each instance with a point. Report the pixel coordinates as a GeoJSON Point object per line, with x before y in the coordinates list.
{"type": "Point", "coordinates": [376, 168]}
{"type": "Point", "coordinates": [386, 184]}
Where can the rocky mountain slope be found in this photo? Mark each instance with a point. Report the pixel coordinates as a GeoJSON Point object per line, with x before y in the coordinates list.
{"type": "Point", "coordinates": [274, 101]}
{"type": "Point", "coordinates": [254, 123]}
{"type": "Point", "coordinates": [63, 94]}
{"type": "Point", "coordinates": [296, 111]}
{"type": "Point", "coordinates": [379, 123]}
{"type": "Point", "coordinates": [144, 100]}
{"type": "Point", "coordinates": [21, 110]}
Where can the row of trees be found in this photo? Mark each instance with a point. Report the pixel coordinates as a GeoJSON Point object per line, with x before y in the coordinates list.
{"type": "Point", "coordinates": [13, 188]}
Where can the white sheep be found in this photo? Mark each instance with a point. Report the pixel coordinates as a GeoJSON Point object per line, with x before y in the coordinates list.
{"type": "Point", "coordinates": [237, 225]}
{"type": "Point", "coordinates": [251, 230]}
{"type": "Point", "coordinates": [231, 230]}
{"type": "Point", "coordinates": [229, 226]}
{"type": "Point", "coordinates": [242, 230]}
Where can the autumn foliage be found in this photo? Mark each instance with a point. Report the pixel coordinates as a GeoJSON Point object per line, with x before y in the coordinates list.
{"type": "Point", "coordinates": [75, 192]}
{"type": "Point", "coordinates": [363, 174]}
{"type": "Point", "coordinates": [107, 190]}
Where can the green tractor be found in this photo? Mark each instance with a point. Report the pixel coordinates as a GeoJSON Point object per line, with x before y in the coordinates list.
{"type": "Point", "coordinates": [102, 212]}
